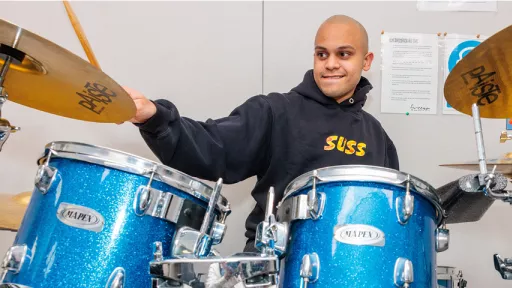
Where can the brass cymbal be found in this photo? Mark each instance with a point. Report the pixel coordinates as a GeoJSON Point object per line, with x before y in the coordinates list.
{"type": "Point", "coordinates": [49, 78]}
{"type": "Point", "coordinates": [503, 165]}
{"type": "Point", "coordinates": [12, 210]}
{"type": "Point", "coordinates": [484, 76]}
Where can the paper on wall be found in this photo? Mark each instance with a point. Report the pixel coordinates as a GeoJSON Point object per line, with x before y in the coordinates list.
{"type": "Point", "coordinates": [409, 73]}
{"type": "Point", "coordinates": [456, 46]}
{"type": "Point", "coordinates": [458, 5]}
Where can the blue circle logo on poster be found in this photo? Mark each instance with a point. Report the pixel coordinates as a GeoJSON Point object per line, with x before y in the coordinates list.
{"type": "Point", "coordinates": [460, 51]}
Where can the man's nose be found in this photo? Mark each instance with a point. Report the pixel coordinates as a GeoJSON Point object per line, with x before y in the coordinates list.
{"type": "Point", "coordinates": [332, 63]}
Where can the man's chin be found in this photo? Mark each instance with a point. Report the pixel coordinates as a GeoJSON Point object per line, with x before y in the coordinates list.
{"type": "Point", "coordinates": [331, 93]}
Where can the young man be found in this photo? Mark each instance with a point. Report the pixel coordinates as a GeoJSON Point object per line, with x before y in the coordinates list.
{"type": "Point", "coordinates": [278, 137]}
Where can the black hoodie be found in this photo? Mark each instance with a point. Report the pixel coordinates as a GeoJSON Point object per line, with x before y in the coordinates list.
{"type": "Point", "coordinates": [275, 137]}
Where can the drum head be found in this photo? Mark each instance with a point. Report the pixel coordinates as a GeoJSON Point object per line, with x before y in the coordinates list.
{"type": "Point", "coordinates": [366, 173]}
{"type": "Point", "coordinates": [130, 163]}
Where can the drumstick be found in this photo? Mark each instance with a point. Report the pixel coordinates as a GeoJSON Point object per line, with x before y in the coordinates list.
{"type": "Point", "coordinates": [81, 34]}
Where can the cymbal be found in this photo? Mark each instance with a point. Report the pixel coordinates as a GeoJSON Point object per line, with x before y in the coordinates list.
{"type": "Point", "coordinates": [49, 78]}
{"type": "Point", "coordinates": [503, 165]}
{"type": "Point", "coordinates": [12, 210]}
{"type": "Point", "coordinates": [484, 76]}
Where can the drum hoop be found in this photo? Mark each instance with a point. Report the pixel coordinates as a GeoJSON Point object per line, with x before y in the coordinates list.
{"type": "Point", "coordinates": [366, 173]}
{"type": "Point", "coordinates": [130, 163]}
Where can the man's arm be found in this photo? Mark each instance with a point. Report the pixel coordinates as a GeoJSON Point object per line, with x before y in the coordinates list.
{"type": "Point", "coordinates": [234, 147]}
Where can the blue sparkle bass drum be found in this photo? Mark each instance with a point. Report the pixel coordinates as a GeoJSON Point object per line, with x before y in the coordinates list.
{"type": "Point", "coordinates": [360, 226]}
{"type": "Point", "coordinates": [97, 218]}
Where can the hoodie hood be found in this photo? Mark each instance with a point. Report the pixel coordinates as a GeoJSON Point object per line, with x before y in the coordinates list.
{"type": "Point", "coordinates": [308, 88]}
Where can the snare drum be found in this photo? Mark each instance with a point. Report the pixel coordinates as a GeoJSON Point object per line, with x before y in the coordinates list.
{"type": "Point", "coordinates": [446, 278]}
{"type": "Point", "coordinates": [98, 216]}
{"type": "Point", "coordinates": [360, 226]}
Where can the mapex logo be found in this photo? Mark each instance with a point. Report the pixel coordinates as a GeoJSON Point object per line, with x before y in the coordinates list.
{"type": "Point", "coordinates": [359, 234]}
{"type": "Point", "coordinates": [80, 217]}
{"type": "Point", "coordinates": [459, 52]}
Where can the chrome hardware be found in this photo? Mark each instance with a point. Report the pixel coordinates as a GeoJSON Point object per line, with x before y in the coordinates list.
{"type": "Point", "coordinates": [15, 257]}
{"type": "Point", "coordinates": [296, 208]}
{"type": "Point", "coordinates": [190, 243]}
{"type": "Point", "coordinates": [442, 239]}
{"type": "Point", "coordinates": [209, 216]}
{"type": "Point", "coordinates": [486, 179]}
{"type": "Point", "coordinates": [45, 175]}
{"type": "Point", "coordinates": [316, 200]}
{"type": "Point", "coordinates": [142, 200]}
{"type": "Point", "coordinates": [5, 127]}
{"type": "Point", "coordinates": [404, 274]}
{"type": "Point", "coordinates": [503, 266]}
{"type": "Point", "coordinates": [12, 285]}
{"type": "Point", "coordinates": [156, 203]}
{"type": "Point", "coordinates": [250, 269]}
{"type": "Point", "coordinates": [168, 206]}
{"type": "Point", "coordinates": [133, 164]}
{"type": "Point", "coordinates": [271, 236]}
{"type": "Point", "coordinates": [218, 232]}
{"type": "Point", "coordinates": [143, 197]}
{"type": "Point", "coordinates": [309, 269]}
{"type": "Point", "coordinates": [290, 207]}
{"type": "Point", "coordinates": [405, 205]}
{"type": "Point", "coordinates": [490, 179]}
{"type": "Point", "coordinates": [157, 251]}
{"type": "Point", "coordinates": [504, 137]}
{"type": "Point", "coordinates": [116, 279]}
{"type": "Point", "coordinates": [479, 139]}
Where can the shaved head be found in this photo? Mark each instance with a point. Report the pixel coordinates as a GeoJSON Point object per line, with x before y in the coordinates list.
{"type": "Point", "coordinates": [341, 55]}
{"type": "Point", "coordinates": [352, 23]}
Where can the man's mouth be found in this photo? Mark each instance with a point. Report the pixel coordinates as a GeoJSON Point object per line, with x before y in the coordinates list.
{"type": "Point", "coordinates": [332, 76]}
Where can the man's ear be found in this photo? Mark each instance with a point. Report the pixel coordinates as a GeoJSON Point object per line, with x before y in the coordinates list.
{"type": "Point", "coordinates": [368, 59]}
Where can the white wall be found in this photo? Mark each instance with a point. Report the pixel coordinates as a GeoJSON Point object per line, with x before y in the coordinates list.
{"type": "Point", "coordinates": [208, 57]}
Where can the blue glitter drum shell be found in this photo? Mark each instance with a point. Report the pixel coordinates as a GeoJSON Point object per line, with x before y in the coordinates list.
{"type": "Point", "coordinates": [63, 255]}
{"type": "Point", "coordinates": [350, 265]}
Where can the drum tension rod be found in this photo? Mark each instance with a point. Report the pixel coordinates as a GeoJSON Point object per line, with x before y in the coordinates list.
{"type": "Point", "coordinates": [405, 205]}
{"type": "Point", "coordinates": [144, 195]}
{"type": "Point", "coordinates": [316, 200]}
{"type": "Point", "coordinates": [45, 174]}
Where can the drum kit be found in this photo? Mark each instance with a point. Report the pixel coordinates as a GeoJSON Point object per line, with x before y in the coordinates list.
{"type": "Point", "coordinates": [100, 217]}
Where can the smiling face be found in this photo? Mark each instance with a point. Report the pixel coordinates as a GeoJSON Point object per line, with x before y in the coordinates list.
{"type": "Point", "coordinates": [341, 54]}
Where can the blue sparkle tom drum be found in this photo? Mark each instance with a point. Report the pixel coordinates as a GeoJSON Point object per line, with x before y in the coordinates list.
{"type": "Point", "coordinates": [360, 226]}
{"type": "Point", "coordinates": [97, 218]}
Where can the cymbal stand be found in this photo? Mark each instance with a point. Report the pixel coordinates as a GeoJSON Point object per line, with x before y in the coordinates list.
{"type": "Point", "coordinates": [502, 265]}
{"type": "Point", "coordinates": [5, 127]}
{"type": "Point", "coordinates": [486, 179]}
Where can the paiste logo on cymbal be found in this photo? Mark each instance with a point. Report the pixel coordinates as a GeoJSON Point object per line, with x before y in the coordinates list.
{"type": "Point", "coordinates": [481, 82]}
{"type": "Point", "coordinates": [95, 97]}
